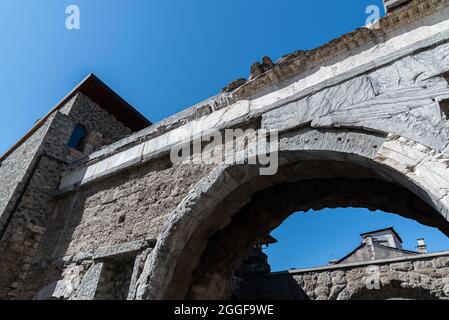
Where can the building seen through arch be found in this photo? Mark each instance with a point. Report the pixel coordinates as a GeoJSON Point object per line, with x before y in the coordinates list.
{"type": "Point", "coordinates": [378, 269]}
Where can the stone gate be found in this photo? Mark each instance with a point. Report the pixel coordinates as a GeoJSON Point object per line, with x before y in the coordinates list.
{"type": "Point", "coordinates": [92, 207]}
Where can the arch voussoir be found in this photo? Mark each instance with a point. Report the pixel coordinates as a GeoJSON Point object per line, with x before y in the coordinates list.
{"type": "Point", "coordinates": [357, 151]}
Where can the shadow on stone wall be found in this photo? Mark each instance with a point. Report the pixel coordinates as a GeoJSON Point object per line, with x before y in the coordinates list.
{"type": "Point", "coordinates": [270, 288]}
{"type": "Point", "coordinates": [97, 212]}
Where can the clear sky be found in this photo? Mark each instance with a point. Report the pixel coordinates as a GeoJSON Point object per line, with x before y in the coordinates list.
{"type": "Point", "coordinates": [163, 56]}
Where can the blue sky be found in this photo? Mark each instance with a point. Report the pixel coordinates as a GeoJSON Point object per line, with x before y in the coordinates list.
{"type": "Point", "coordinates": [163, 56]}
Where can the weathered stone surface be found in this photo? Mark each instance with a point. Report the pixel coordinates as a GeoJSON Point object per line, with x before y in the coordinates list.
{"type": "Point", "coordinates": [442, 262]}
{"type": "Point", "coordinates": [338, 277]}
{"type": "Point", "coordinates": [30, 176]}
{"type": "Point", "coordinates": [335, 291]}
{"type": "Point", "coordinates": [402, 266]}
{"type": "Point", "coordinates": [394, 280]}
{"type": "Point", "coordinates": [363, 113]}
{"type": "Point", "coordinates": [419, 265]}
{"type": "Point", "coordinates": [89, 283]}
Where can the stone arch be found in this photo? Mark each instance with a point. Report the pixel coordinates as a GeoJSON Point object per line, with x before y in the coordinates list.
{"type": "Point", "coordinates": [202, 243]}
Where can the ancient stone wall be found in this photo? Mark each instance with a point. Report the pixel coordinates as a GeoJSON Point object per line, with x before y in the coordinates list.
{"type": "Point", "coordinates": [130, 206]}
{"type": "Point", "coordinates": [108, 273]}
{"type": "Point", "coordinates": [13, 171]}
{"type": "Point", "coordinates": [397, 88]}
{"type": "Point", "coordinates": [30, 177]}
{"type": "Point", "coordinates": [26, 178]}
{"type": "Point", "coordinates": [86, 112]}
{"type": "Point", "coordinates": [417, 277]}
{"type": "Point", "coordinates": [366, 110]}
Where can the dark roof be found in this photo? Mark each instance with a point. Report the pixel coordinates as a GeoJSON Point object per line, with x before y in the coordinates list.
{"type": "Point", "coordinates": [105, 97]}
{"type": "Point", "coordinates": [268, 239]}
{"type": "Point", "coordinates": [380, 230]}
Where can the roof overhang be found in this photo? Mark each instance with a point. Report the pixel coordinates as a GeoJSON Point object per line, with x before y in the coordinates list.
{"type": "Point", "coordinates": [110, 101]}
{"type": "Point", "coordinates": [105, 97]}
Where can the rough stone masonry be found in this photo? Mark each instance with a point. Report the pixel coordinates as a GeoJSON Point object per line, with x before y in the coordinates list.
{"type": "Point", "coordinates": [362, 122]}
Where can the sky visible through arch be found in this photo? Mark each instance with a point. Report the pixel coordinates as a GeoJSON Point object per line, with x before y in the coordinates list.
{"type": "Point", "coordinates": [314, 238]}
{"type": "Point", "coordinates": [164, 56]}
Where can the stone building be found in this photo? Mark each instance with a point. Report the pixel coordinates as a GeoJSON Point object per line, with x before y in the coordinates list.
{"type": "Point", "coordinates": [88, 118]}
{"type": "Point", "coordinates": [378, 244]}
{"type": "Point", "coordinates": [380, 258]}
{"type": "Point", "coordinates": [92, 207]}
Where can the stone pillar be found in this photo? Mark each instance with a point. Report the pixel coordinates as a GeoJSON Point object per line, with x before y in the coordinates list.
{"type": "Point", "coordinates": [137, 270]}
{"type": "Point", "coordinates": [89, 283]}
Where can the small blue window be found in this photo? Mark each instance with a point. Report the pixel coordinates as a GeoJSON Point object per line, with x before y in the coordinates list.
{"type": "Point", "coordinates": [77, 139]}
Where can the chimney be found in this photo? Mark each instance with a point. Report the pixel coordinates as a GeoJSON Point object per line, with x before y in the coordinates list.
{"type": "Point", "coordinates": [390, 5]}
{"type": "Point", "coordinates": [422, 247]}
{"type": "Point", "coordinates": [368, 240]}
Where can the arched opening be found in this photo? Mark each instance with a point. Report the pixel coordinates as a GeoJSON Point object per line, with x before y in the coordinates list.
{"type": "Point", "coordinates": [78, 138]}
{"type": "Point", "coordinates": [213, 230]}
